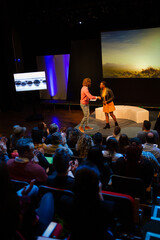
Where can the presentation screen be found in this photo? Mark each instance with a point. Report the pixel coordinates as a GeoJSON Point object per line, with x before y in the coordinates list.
{"type": "Point", "coordinates": [131, 53]}
{"type": "Point", "coordinates": [30, 81]}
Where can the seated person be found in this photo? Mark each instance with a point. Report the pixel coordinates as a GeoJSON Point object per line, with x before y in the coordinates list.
{"type": "Point", "coordinates": [147, 155]}
{"type": "Point", "coordinates": [134, 165]}
{"type": "Point", "coordinates": [39, 133]}
{"type": "Point", "coordinates": [85, 142]}
{"type": "Point", "coordinates": [52, 129]}
{"type": "Point", "coordinates": [23, 167]}
{"type": "Point", "coordinates": [95, 157]}
{"type": "Point", "coordinates": [146, 128]}
{"type": "Point", "coordinates": [3, 150]}
{"type": "Point", "coordinates": [116, 133]}
{"type": "Point", "coordinates": [149, 146]}
{"type": "Point", "coordinates": [18, 132]}
{"type": "Point", "coordinates": [87, 214]}
{"type": "Point", "coordinates": [61, 164]}
{"type": "Point", "coordinates": [98, 141]}
{"type": "Point", "coordinates": [73, 137]}
{"type": "Point", "coordinates": [112, 150]}
{"type": "Point", "coordinates": [123, 142]}
{"type": "Point", "coordinates": [56, 142]}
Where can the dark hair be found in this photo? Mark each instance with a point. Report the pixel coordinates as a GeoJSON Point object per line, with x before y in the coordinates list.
{"type": "Point", "coordinates": [98, 138]}
{"type": "Point", "coordinates": [104, 83]}
{"type": "Point", "coordinates": [23, 145]}
{"type": "Point", "coordinates": [117, 130]}
{"type": "Point", "coordinates": [112, 145]}
{"type": "Point", "coordinates": [136, 140]}
{"type": "Point", "coordinates": [61, 160]}
{"type": "Point", "coordinates": [41, 125]}
{"type": "Point", "coordinates": [73, 137]}
{"type": "Point", "coordinates": [123, 142]}
{"type": "Point", "coordinates": [86, 182]}
{"type": "Point", "coordinates": [56, 138]}
{"type": "Point", "coordinates": [150, 137]}
{"type": "Point", "coordinates": [53, 128]}
{"type": "Point", "coordinates": [147, 125]}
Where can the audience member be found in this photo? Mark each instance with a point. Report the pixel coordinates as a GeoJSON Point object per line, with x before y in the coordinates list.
{"type": "Point", "coordinates": [146, 128]}
{"type": "Point", "coordinates": [73, 137]}
{"type": "Point", "coordinates": [52, 129]}
{"type": "Point", "coordinates": [3, 150]}
{"type": "Point", "coordinates": [98, 141]}
{"type": "Point", "coordinates": [56, 142]}
{"type": "Point", "coordinates": [84, 143]}
{"type": "Point", "coordinates": [122, 143]}
{"type": "Point", "coordinates": [146, 155]}
{"type": "Point", "coordinates": [88, 215]}
{"type": "Point", "coordinates": [95, 157]}
{"type": "Point", "coordinates": [39, 133]}
{"type": "Point", "coordinates": [59, 178]}
{"type": "Point", "coordinates": [149, 146]}
{"type": "Point", "coordinates": [116, 133]}
{"type": "Point", "coordinates": [23, 167]}
{"type": "Point", "coordinates": [18, 133]}
{"type": "Point", "coordinates": [135, 166]}
{"type": "Point", "coordinates": [112, 150]}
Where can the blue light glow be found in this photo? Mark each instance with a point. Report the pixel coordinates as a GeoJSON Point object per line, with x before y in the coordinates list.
{"type": "Point", "coordinates": [51, 75]}
{"type": "Point", "coordinates": [66, 58]}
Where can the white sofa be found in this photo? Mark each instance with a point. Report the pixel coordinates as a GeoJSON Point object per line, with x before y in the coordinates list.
{"type": "Point", "coordinates": [133, 113]}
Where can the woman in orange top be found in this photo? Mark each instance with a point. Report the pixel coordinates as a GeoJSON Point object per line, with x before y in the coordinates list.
{"type": "Point", "coordinates": [108, 105]}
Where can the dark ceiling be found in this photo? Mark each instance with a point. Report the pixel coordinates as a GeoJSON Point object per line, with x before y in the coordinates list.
{"type": "Point", "coordinates": [95, 15]}
{"type": "Point", "coordinates": [49, 25]}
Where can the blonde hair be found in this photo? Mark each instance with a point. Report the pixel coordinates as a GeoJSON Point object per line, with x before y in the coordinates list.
{"type": "Point", "coordinates": [86, 82]}
{"type": "Point", "coordinates": [84, 143]}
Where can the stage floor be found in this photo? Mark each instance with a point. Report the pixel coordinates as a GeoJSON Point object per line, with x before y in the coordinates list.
{"type": "Point", "coordinates": [127, 126]}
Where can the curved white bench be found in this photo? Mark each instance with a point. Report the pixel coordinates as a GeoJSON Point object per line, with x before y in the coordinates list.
{"type": "Point", "coordinates": [125, 112]}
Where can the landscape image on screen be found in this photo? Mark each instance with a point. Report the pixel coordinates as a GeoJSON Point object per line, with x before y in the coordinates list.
{"type": "Point", "coordinates": [131, 53]}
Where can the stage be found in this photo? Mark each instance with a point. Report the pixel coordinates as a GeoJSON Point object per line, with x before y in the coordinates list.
{"type": "Point", "coordinates": [128, 127]}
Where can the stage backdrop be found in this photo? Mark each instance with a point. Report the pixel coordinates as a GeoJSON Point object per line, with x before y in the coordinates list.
{"type": "Point", "coordinates": [56, 68]}
{"type": "Point", "coordinates": [86, 61]}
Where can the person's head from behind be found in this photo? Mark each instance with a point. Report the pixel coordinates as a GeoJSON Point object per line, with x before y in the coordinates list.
{"type": "Point", "coordinates": [98, 138]}
{"type": "Point", "coordinates": [87, 182]}
{"type": "Point", "coordinates": [86, 82]}
{"type": "Point", "coordinates": [117, 130]}
{"type": "Point", "coordinates": [146, 125]}
{"type": "Point", "coordinates": [19, 131]}
{"type": "Point", "coordinates": [73, 137]}
{"type": "Point", "coordinates": [84, 144]}
{"type": "Point", "coordinates": [136, 141]}
{"type": "Point", "coordinates": [25, 148]}
{"type": "Point", "coordinates": [53, 128]}
{"type": "Point", "coordinates": [42, 125]}
{"type": "Point", "coordinates": [150, 138]}
{"type": "Point", "coordinates": [112, 145]}
{"type": "Point", "coordinates": [123, 142]}
{"type": "Point", "coordinates": [61, 161]}
{"type": "Point", "coordinates": [95, 156]}
{"type": "Point", "coordinates": [56, 138]}
{"type": "Point", "coordinates": [133, 154]}
{"type": "Point", "coordinates": [103, 84]}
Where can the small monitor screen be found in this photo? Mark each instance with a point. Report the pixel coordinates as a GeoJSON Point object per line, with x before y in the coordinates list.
{"type": "Point", "coordinates": [30, 81]}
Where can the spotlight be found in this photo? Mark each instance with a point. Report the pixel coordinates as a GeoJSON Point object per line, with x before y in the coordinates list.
{"type": "Point", "coordinates": [80, 22]}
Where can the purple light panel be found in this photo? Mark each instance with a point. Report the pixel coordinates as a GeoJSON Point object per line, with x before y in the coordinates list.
{"type": "Point", "coordinates": [51, 72]}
